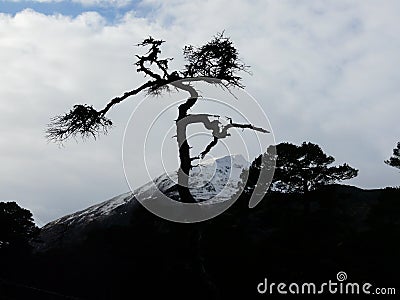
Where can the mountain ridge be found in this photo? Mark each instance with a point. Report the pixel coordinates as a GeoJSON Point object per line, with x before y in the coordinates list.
{"type": "Point", "coordinates": [213, 180]}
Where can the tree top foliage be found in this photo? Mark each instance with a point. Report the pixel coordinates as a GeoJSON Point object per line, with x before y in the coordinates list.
{"type": "Point", "coordinates": [16, 226]}
{"type": "Point", "coordinates": [394, 161]}
{"type": "Point", "coordinates": [217, 59]}
{"type": "Point", "coordinates": [302, 168]}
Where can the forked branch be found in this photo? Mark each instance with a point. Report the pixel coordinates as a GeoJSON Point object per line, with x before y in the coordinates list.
{"type": "Point", "coordinates": [218, 130]}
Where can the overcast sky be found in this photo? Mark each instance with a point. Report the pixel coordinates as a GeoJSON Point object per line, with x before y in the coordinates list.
{"type": "Point", "coordinates": [323, 71]}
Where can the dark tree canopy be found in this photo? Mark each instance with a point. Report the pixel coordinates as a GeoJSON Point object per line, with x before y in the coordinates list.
{"type": "Point", "coordinates": [216, 59]}
{"type": "Point", "coordinates": [394, 161]}
{"type": "Point", "coordinates": [303, 168]}
{"type": "Point", "coordinates": [16, 227]}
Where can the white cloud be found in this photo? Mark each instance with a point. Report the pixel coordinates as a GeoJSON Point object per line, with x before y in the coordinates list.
{"type": "Point", "coordinates": [323, 71]}
{"type": "Point", "coordinates": [92, 3]}
{"type": "Point", "coordinates": [117, 3]}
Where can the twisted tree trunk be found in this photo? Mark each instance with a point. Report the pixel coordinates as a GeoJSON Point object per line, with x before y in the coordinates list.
{"type": "Point", "coordinates": [218, 131]}
{"type": "Point", "coordinates": [184, 153]}
{"type": "Point", "coordinates": [184, 148]}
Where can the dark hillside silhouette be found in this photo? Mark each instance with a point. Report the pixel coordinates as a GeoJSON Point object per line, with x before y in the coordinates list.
{"type": "Point", "coordinates": [347, 229]}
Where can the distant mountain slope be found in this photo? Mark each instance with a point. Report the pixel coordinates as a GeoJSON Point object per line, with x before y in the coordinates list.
{"type": "Point", "coordinates": [213, 180]}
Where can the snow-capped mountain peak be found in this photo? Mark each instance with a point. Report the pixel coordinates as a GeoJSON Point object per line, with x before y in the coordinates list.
{"type": "Point", "coordinates": [212, 180]}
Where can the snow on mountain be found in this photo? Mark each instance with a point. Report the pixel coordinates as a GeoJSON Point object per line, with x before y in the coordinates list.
{"type": "Point", "coordinates": [95, 211]}
{"type": "Point", "coordinates": [212, 180]}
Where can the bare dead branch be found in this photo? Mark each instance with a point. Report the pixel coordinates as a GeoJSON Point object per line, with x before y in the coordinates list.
{"type": "Point", "coordinates": [224, 131]}
{"type": "Point", "coordinates": [142, 68]}
{"type": "Point", "coordinates": [218, 131]}
{"type": "Point", "coordinates": [145, 62]}
{"type": "Point", "coordinates": [209, 147]}
{"type": "Point", "coordinates": [119, 99]}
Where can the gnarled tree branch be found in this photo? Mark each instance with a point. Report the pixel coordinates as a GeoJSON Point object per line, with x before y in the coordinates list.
{"type": "Point", "coordinates": [214, 126]}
